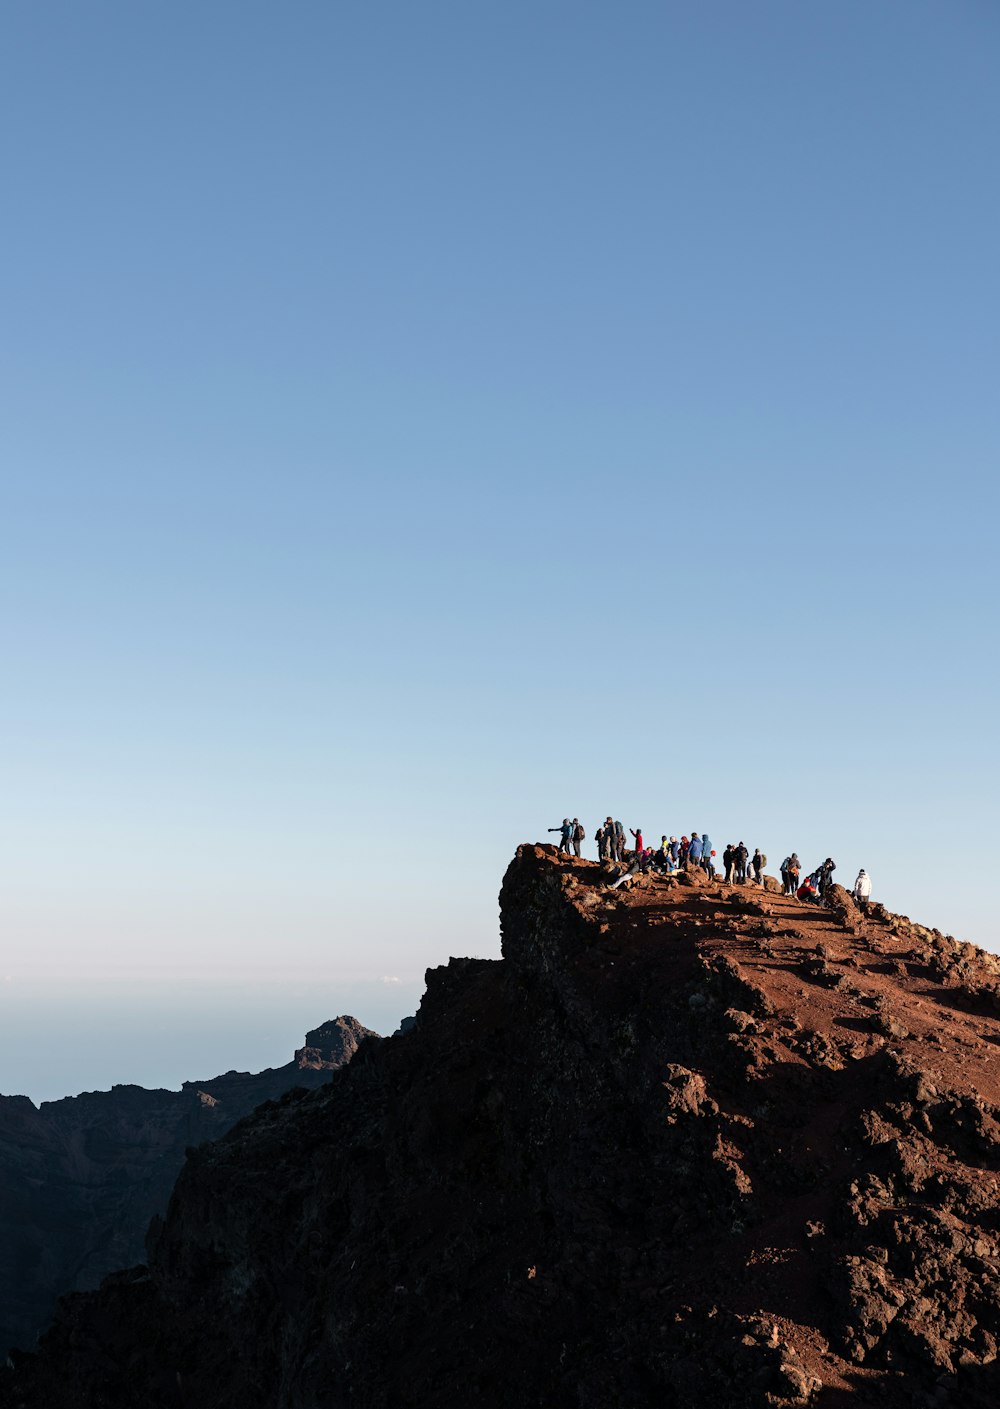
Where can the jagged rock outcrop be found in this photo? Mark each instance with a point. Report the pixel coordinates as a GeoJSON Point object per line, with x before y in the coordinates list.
{"type": "Point", "coordinates": [686, 1146]}
{"type": "Point", "coordinates": [81, 1178]}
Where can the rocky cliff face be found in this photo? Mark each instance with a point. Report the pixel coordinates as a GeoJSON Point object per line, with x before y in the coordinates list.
{"type": "Point", "coordinates": [81, 1178]}
{"type": "Point", "coordinates": [688, 1145]}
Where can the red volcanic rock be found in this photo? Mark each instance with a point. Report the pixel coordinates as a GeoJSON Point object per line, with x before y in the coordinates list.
{"type": "Point", "coordinates": [682, 1146]}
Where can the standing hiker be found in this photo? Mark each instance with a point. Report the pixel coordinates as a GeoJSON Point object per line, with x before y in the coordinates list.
{"type": "Point", "coordinates": [742, 856]}
{"type": "Point", "coordinates": [759, 860]}
{"type": "Point", "coordinates": [824, 876]}
{"type": "Point", "coordinates": [729, 861]}
{"type": "Point", "coordinates": [619, 842]}
{"type": "Point", "coordinates": [863, 889]}
{"type": "Point", "coordinates": [578, 835]}
{"type": "Point", "coordinates": [707, 856]}
{"type": "Point", "coordinates": [694, 850]}
{"type": "Point", "coordinates": [566, 837]}
{"type": "Point", "coordinates": [638, 840]}
{"type": "Point", "coordinates": [789, 881]}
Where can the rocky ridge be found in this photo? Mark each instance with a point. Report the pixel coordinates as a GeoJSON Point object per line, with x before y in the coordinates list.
{"type": "Point", "coordinates": [81, 1178]}
{"type": "Point", "coordinates": [688, 1144]}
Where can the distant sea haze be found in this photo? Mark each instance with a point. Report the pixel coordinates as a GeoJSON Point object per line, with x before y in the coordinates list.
{"type": "Point", "coordinates": [58, 1038]}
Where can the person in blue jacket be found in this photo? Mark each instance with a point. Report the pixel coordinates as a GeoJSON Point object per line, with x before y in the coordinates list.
{"type": "Point", "coordinates": [675, 851]}
{"type": "Point", "coordinates": [706, 856]}
{"type": "Point", "coordinates": [694, 850]}
{"type": "Point", "coordinates": [567, 835]}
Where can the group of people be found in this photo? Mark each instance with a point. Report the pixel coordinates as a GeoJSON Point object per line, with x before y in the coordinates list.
{"type": "Point", "coordinates": [681, 853]}
{"type": "Point", "coordinates": [818, 882]}
{"type": "Point", "coordinates": [741, 867]}
{"type": "Point", "coordinates": [673, 853]}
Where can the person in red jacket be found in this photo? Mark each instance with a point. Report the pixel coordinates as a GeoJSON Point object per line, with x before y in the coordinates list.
{"type": "Point", "coordinates": [638, 840]}
{"type": "Point", "coordinates": [809, 890]}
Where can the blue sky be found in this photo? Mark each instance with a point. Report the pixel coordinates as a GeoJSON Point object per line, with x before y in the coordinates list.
{"type": "Point", "coordinates": [419, 422]}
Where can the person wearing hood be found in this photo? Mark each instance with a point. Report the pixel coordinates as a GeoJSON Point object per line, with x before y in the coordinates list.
{"type": "Point", "coordinates": [707, 856]}
{"type": "Point", "coordinates": [567, 835]}
{"type": "Point", "coordinates": [789, 875]}
{"type": "Point", "coordinates": [742, 856]}
{"type": "Point", "coordinates": [694, 850]}
{"type": "Point", "coordinates": [863, 889]}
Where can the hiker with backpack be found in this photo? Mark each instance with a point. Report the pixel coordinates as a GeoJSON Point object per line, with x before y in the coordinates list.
{"type": "Point", "coordinates": [578, 835]}
{"type": "Point", "coordinates": [758, 863]}
{"type": "Point", "coordinates": [742, 855]}
{"type": "Point", "coordinates": [790, 868]}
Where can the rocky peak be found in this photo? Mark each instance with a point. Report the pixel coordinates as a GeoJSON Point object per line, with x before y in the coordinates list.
{"type": "Point", "coordinates": [331, 1045]}
{"type": "Point", "coordinates": [685, 1144]}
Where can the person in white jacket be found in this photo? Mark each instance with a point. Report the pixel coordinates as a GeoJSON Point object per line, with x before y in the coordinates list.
{"type": "Point", "coordinates": [863, 889]}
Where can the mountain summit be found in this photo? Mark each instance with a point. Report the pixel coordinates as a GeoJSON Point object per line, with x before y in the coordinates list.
{"type": "Point", "coordinates": [685, 1144]}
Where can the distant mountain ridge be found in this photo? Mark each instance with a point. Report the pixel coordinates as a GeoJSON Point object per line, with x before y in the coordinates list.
{"type": "Point", "coordinates": [82, 1177]}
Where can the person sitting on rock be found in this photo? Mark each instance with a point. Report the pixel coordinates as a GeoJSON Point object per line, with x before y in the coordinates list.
{"type": "Point", "coordinates": [675, 852]}
{"type": "Point", "coordinates": [809, 889]}
{"type": "Point", "coordinates": [863, 889]}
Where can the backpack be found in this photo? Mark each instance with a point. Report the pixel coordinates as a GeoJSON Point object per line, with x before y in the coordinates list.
{"type": "Point", "coordinates": [578, 832]}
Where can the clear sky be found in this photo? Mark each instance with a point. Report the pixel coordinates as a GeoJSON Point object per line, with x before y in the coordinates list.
{"type": "Point", "coordinates": [422, 421]}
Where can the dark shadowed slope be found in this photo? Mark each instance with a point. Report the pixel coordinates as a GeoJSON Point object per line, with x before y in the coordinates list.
{"type": "Point", "coordinates": [81, 1178]}
{"type": "Point", "coordinates": [687, 1146]}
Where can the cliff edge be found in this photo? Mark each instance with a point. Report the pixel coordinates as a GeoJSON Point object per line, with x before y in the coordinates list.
{"type": "Point", "coordinates": [688, 1145]}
